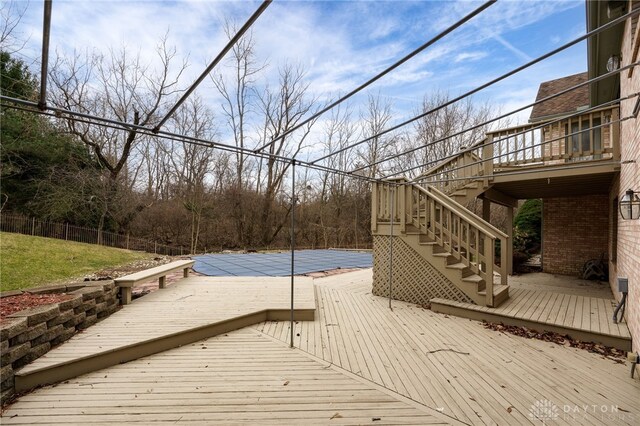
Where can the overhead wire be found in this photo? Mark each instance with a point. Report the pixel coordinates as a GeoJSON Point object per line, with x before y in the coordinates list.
{"type": "Point", "coordinates": [500, 117]}
{"type": "Point", "coordinates": [232, 42]}
{"type": "Point", "coordinates": [475, 146]}
{"type": "Point", "coordinates": [487, 84]}
{"type": "Point", "coordinates": [522, 149]}
{"type": "Point", "coordinates": [114, 124]}
{"type": "Point", "coordinates": [378, 76]}
{"type": "Point", "coordinates": [312, 164]}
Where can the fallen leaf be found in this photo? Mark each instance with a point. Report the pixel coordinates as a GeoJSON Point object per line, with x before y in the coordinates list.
{"type": "Point", "coordinates": [336, 416]}
{"type": "Point", "coordinates": [285, 383]}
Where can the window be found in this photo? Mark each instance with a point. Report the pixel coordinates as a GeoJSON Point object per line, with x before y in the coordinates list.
{"type": "Point", "coordinates": [583, 141]}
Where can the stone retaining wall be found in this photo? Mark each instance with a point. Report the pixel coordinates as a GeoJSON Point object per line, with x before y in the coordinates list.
{"type": "Point", "coordinates": [29, 334]}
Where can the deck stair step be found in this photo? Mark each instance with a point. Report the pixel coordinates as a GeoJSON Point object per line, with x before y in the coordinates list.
{"type": "Point", "coordinates": [465, 271]}
{"type": "Point", "coordinates": [500, 294]}
{"type": "Point", "coordinates": [439, 230]}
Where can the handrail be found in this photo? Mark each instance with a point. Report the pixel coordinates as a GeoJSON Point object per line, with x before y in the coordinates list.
{"type": "Point", "coordinates": [463, 211]}
{"type": "Point", "coordinates": [557, 118]}
{"type": "Point", "coordinates": [459, 232]}
{"type": "Point", "coordinates": [464, 151]}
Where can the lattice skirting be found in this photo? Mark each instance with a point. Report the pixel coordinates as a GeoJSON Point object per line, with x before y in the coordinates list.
{"type": "Point", "coordinates": [414, 280]}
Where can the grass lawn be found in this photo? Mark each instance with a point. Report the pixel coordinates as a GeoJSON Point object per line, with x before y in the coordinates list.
{"type": "Point", "coordinates": [27, 261]}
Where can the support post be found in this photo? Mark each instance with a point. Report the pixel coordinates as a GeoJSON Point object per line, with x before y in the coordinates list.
{"type": "Point", "coordinates": [125, 295]}
{"type": "Point", "coordinates": [392, 202]}
{"type": "Point", "coordinates": [486, 210]}
{"type": "Point", "coordinates": [162, 282]}
{"type": "Point", "coordinates": [46, 31]}
{"type": "Point", "coordinates": [487, 157]}
{"type": "Point", "coordinates": [293, 240]}
{"type": "Point", "coordinates": [509, 245]}
{"type": "Point", "coordinates": [185, 273]}
{"type": "Point", "coordinates": [402, 208]}
{"type": "Point", "coordinates": [374, 206]}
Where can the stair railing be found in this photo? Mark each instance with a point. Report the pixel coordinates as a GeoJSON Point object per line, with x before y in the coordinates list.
{"type": "Point", "coordinates": [467, 237]}
{"type": "Point", "coordinates": [456, 172]}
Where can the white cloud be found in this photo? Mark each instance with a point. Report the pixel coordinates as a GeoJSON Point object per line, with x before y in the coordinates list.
{"type": "Point", "coordinates": [341, 44]}
{"type": "Point", "coordinates": [469, 56]}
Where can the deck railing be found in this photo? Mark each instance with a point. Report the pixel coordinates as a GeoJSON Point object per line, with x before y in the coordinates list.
{"type": "Point", "coordinates": [585, 137]}
{"type": "Point", "coordinates": [591, 136]}
{"type": "Point", "coordinates": [468, 238]}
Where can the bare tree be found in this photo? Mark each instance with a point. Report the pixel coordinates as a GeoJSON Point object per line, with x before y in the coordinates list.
{"type": "Point", "coordinates": [339, 132]}
{"type": "Point", "coordinates": [192, 163]}
{"type": "Point", "coordinates": [236, 90]}
{"type": "Point", "coordinates": [376, 118]}
{"type": "Point", "coordinates": [118, 86]}
{"type": "Point", "coordinates": [444, 124]}
{"type": "Point", "coordinates": [282, 110]}
{"type": "Point", "coordinates": [11, 14]}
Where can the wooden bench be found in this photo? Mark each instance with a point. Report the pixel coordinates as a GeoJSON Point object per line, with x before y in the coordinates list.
{"type": "Point", "coordinates": [127, 282]}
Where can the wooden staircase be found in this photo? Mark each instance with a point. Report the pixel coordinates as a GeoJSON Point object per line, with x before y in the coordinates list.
{"type": "Point", "coordinates": [430, 216]}
{"type": "Point", "coordinates": [459, 244]}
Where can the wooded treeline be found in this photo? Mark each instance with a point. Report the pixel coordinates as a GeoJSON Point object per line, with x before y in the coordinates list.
{"type": "Point", "coordinates": [180, 193]}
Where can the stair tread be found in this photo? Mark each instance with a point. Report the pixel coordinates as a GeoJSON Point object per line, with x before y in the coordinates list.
{"type": "Point", "coordinates": [497, 289]}
{"type": "Point", "coordinates": [473, 278]}
{"type": "Point", "coordinates": [457, 266]}
{"type": "Point", "coordinates": [444, 254]}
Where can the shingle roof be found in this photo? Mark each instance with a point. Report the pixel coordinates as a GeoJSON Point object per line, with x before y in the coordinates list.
{"type": "Point", "coordinates": [569, 102]}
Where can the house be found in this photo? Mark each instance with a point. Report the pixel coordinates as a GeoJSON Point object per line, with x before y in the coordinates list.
{"type": "Point", "coordinates": [580, 154]}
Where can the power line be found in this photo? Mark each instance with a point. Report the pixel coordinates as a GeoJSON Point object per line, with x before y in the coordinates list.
{"type": "Point", "coordinates": [215, 62]}
{"type": "Point", "coordinates": [114, 124]}
{"type": "Point", "coordinates": [485, 85]}
{"type": "Point", "coordinates": [382, 74]}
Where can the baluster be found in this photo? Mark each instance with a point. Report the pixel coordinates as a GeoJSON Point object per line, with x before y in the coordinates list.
{"type": "Point", "coordinates": [591, 133]}
{"type": "Point", "coordinates": [489, 254]}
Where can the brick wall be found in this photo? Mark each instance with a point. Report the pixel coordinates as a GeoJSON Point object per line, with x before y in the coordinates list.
{"type": "Point", "coordinates": [27, 335]}
{"type": "Point", "coordinates": [628, 259]}
{"type": "Point", "coordinates": [574, 230]}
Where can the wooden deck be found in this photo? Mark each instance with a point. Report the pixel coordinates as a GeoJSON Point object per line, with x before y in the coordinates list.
{"type": "Point", "coordinates": [585, 313]}
{"type": "Point", "coordinates": [475, 375]}
{"type": "Point", "coordinates": [356, 362]}
{"type": "Point", "coordinates": [240, 378]}
{"type": "Point", "coordinates": [189, 310]}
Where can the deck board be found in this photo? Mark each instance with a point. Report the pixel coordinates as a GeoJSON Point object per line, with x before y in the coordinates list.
{"type": "Point", "coordinates": [188, 304]}
{"type": "Point", "coordinates": [567, 313]}
{"type": "Point", "coordinates": [243, 377]}
{"type": "Point", "coordinates": [357, 359]}
{"type": "Point", "coordinates": [492, 378]}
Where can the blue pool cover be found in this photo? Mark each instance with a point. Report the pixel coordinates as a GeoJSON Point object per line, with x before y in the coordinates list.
{"type": "Point", "coordinates": [279, 264]}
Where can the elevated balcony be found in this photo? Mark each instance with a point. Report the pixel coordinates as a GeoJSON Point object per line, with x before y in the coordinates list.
{"type": "Point", "coordinates": [576, 155]}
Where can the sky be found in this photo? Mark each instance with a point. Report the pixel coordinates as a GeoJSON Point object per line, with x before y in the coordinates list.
{"type": "Point", "coordinates": [341, 44]}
